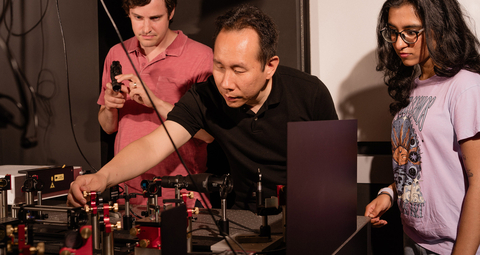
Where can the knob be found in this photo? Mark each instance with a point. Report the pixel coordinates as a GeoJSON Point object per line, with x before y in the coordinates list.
{"type": "Point", "coordinates": [39, 250]}
{"type": "Point", "coordinates": [118, 225]}
{"type": "Point", "coordinates": [134, 231]}
{"type": "Point", "coordinates": [86, 233]}
{"type": "Point", "coordinates": [144, 243]}
{"type": "Point", "coordinates": [195, 210]}
{"type": "Point", "coordinates": [115, 207]}
{"type": "Point", "coordinates": [10, 230]}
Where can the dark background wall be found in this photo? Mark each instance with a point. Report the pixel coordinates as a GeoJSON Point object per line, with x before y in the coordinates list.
{"type": "Point", "coordinates": [36, 44]}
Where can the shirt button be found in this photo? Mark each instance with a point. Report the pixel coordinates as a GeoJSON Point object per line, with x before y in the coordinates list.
{"type": "Point", "coordinates": [256, 119]}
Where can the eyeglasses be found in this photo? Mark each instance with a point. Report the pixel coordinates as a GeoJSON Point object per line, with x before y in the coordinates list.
{"type": "Point", "coordinates": [408, 35]}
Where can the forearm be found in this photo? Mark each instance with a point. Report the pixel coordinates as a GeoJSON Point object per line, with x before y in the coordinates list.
{"type": "Point", "coordinates": [108, 119]}
{"type": "Point", "coordinates": [468, 237]}
{"type": "Point", "coordinates": [163, 107]}
{"type": "Point", "coordinates": [143, 154]}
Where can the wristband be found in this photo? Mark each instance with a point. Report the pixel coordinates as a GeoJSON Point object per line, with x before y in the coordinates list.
{"type": "Point", "coordinates": [387, 191]}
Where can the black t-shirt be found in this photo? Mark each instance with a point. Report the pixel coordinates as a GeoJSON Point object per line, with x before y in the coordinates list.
{"type": "Point", "coordinates": [256, 141]}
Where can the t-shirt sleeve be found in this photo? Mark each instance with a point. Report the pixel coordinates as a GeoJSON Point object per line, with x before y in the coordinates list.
{"type": "Point", "coordinates": [188, 112]}
{"type": "Point", "coordinates": [465, 109]}
{"type": "Point", "coordinates": [324, 105]}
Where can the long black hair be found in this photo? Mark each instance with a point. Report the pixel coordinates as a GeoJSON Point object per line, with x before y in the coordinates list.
{"type": "Point", "coordinates": [450, 43]}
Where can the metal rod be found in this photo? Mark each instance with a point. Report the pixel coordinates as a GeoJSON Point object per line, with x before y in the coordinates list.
{"type": "Point", "coordinates": [39, 201]}
{"type": "Point", "coordinates": [34, 208]}
{"type": "Point", "coordinates": [96, 232]}
{"type": "Point", "coordinates": [156, 211]}
{"type": "Point", "coordinates": [150, 203]}
{"type": "Point", "coordinates": [56, 207]}
{"type": "Point", "coordinates": [52, 222]}
{"type": "Point", "coordinates": [178, 195]}
{"type": "Point", "coordinates": [127, 201]}
{"type": "Point", "coordinates": [14, 211]}
{"type": "Point", "coordinates": [224, 209]}
{"type": "Point", "coordinates": [189, 236]}
{"type": "Point", "coordinates": [108, 247]}
{"type": "Point", "coordinates": [4, 204]}
{"type": "Point", "coordinates": [28, 198]}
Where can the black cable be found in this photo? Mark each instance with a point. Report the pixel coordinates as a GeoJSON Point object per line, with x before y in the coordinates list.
{"type": "Point", "coordinates": [68, 87]}
{"type": "Point", "coordinates": [19, 107]}
{"type": "Point", "coordinates": [4, 10]}
{"type": "Point", "coordinates": [43, 100]}
{"type": "Point", "coordinates": [21, 79]}
{"type": "Point", "coordinates": [132, 212]}
{"type": "Point", "coordinates": [166, 131]}
{"type": "Point", "coordinates": [29, 30]}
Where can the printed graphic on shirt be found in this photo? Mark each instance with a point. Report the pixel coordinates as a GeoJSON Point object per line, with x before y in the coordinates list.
{"type": "Point", "coordinates": [418, 109]}
{"type": "Point", "coordinates": [406, 166]}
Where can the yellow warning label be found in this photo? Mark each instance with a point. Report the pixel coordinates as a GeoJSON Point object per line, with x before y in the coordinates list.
{"type": "Point", "coordinates": [59, 177]}
{"type": "Point", "coordinates": [52, 186]}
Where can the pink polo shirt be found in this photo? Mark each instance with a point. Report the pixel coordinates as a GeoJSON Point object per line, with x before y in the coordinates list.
{"type": "Point", "coordinates": [168, 76]}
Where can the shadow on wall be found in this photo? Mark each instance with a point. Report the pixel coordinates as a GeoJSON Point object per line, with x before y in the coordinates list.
{"type": "Point", "coordinates": [363, 96]}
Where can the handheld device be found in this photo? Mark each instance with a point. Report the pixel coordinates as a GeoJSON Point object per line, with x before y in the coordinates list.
{"type": "Point", "coordinates": [115, 69]}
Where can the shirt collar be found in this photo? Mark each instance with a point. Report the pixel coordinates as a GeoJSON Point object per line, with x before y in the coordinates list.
{"type": "Point", "coordinates": [174, 49]}
{"type": "Point", "coordinates": [276, 92]}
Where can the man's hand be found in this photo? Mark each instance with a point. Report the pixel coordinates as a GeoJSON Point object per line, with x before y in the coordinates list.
{"type": "Point", "coordinates": [137, 91]}
{"type": "Point", "coordinates": [377, 208]}
{"type": "Point", "coordinates": [113, 99]}
{"type": "Point", "coordinates": [89, 182]}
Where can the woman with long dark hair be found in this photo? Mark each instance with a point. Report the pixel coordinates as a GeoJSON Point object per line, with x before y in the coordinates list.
{"type": "Point", "coordinates": [431, 64]}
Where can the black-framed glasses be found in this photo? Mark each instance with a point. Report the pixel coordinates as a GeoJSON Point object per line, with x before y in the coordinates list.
{"type": "Point", "coordinates": [407, 35]}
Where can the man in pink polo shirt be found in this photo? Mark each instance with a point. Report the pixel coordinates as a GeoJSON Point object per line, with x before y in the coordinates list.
{"type": "Point", "coordinates": [168, 62]}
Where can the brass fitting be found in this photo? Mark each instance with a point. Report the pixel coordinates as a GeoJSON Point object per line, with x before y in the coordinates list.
{"type": "Point", "coordinates": [144, 243]}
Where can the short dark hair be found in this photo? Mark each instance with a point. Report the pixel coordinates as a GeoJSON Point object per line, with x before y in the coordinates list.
{"type": "Point", "coordinates": [129, 4]}
{"type": "Point", "coordinates": [248, 16]}
{"type": "Point", "coordinates": [451, 45]}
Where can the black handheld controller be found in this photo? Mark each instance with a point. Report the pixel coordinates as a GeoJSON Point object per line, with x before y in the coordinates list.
{"type": "Point", "coordinates": [115, 69]}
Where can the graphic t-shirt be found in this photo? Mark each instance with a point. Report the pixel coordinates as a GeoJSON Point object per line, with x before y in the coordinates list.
{"type": "Point", "coordinates": [427, 165]}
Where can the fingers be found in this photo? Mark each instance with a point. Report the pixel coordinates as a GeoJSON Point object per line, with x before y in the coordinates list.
{"type": "Point", "coordinates": [90, 182]}
{"type": "Point", "coordinates": [75, 194]}
{"type": "Point", "coordinates": [133, 81]}
{"type": "Point", "coordinates": [129, 77]}
{"type": "Point", "coordinates": [72, 202]}
{"type": "Point", "coordinates": [377, 222]}
{"type": "Point", "coordinates": [136, 90]}
{"type": "Point", "coordinates": [376, 209]}
{"type": "Point", "coordinates": [114, 100]}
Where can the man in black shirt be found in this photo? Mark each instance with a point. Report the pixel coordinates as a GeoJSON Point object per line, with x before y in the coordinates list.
{"type": "Point", "coordinates": [245, 106]}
